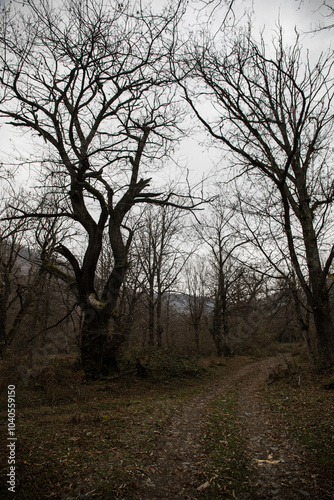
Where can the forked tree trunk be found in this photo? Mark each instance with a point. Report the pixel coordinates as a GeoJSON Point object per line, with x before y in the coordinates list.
{"type": "Point", "coordinates": [99, 349]}
{"type": "Point", "coordinates": [94, 338]}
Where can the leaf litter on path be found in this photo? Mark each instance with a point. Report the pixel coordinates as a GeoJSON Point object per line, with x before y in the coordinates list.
{"type": "Point", "coordinates": [278, 466]}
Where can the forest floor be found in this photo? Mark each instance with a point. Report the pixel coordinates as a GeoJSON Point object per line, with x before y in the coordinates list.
{"type": "Point", "coordinates": [252, 428]}
{"type": "Point", "coordinates": [271, 464]}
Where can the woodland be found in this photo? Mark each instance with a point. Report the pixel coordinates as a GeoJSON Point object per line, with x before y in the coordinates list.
{"type": "Point", "coordinates": [112, 245]}
{"type": "Point", "coordinates": [147, 295]}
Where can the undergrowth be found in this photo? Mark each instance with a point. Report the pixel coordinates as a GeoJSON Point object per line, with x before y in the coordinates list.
{"type": "Point", "coordinates": [161, 364]}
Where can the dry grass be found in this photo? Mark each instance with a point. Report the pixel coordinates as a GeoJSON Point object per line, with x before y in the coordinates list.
{"type": "Point", "coordinates": [94, 440]}
{"type": "Point", "coordinates": [303, 406]}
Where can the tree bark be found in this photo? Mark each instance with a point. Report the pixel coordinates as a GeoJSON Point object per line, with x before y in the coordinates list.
{"type": "Point", "coordinates": [151, 311]}
{"type": "Point", "coordinates": [159, 329]}
{"type": "Point", "coordinates": [318, 295]}
{"type": "Point", "coordinates": [99, 350]}
{"type": "Point", "coordinates": [325, 332]}
{"type": "Point", "coordinates": [93, 343]}
{"type": "Point", "coordinates": [216, 330]}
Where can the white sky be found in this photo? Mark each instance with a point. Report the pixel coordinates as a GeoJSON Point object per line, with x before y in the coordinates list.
{"type": "Point", "coordinates": [303, 15]}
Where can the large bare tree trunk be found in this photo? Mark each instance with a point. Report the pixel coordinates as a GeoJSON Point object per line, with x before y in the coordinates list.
{"type": "Point", "coordinates": [100, 348]}
{"type": "Point", "coordinates": [318, 294]}
{"type": "Point", "coordinates": [94, 338]}
{"type": "Point", "coordinates": [325, 331]}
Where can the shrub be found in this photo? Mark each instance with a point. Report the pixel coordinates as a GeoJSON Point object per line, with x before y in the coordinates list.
{"type": "Point", "coordinates": [162, 364]}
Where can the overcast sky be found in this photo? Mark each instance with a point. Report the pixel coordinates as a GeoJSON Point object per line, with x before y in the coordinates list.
{"type": "Point", "coordinates": [301, 15]}
{"type": "Point", "coordinates": [304, 15]}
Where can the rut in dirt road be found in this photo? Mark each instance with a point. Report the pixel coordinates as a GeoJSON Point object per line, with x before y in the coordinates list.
{"type": "Point", "coordinates": [278, 468]}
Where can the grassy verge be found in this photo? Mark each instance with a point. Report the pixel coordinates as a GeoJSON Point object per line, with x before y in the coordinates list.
{"type": "Point", "coordinates": [90, 444]}
{"type": "Point", "coordinates": [302, 405]}
{"type": "Point", "coordinates": [228, 471]}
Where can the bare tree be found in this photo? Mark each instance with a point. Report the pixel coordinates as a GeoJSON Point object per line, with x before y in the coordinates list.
{"type": "Point", "coordinates": [12, 291]}
{"type": "Point", "coordinates": [219, 234]}
{"type": "Point", "coordinates": [90, 81]}
{"type": "Point", "coordinates": [16, 278]}
{"type": "Point", "coordinates": [263, 225]}
{"type": "Point", "coordinates": [275, 116]}
{"type": "Point", "coordinates": [158, 248]}
{"type": "Point", "coordinates": [327, 12]}
{"type": "Point", "coordinates": [197, 277]}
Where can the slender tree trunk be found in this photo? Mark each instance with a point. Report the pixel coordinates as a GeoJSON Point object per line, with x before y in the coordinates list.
{"type": "Point", "coordinates": [216, 330]}
{"type": "Point", "coordinates": [159, 328]}
{"type": "Point", "coordinates": [151, 311]}
{"type": "Point", "coordinates": [226, 349]}
{"type": "Point", "coordinates": [220, 328]}
{"type": "Point", "coordinates": [196, 329]}
{"type": "Point", "coordinates": [167, 335]}
{"type": "Point", "coordinates": [4, 296]}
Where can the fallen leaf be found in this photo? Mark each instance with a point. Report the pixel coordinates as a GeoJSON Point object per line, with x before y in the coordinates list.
{"type": "Point", "coordinates": [203, 486]}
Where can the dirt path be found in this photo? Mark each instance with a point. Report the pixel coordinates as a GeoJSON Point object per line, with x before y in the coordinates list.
{"type": "Point", "coordinates": [278, 462]}
{"type": "Point", "coordinates": [279, 470]}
